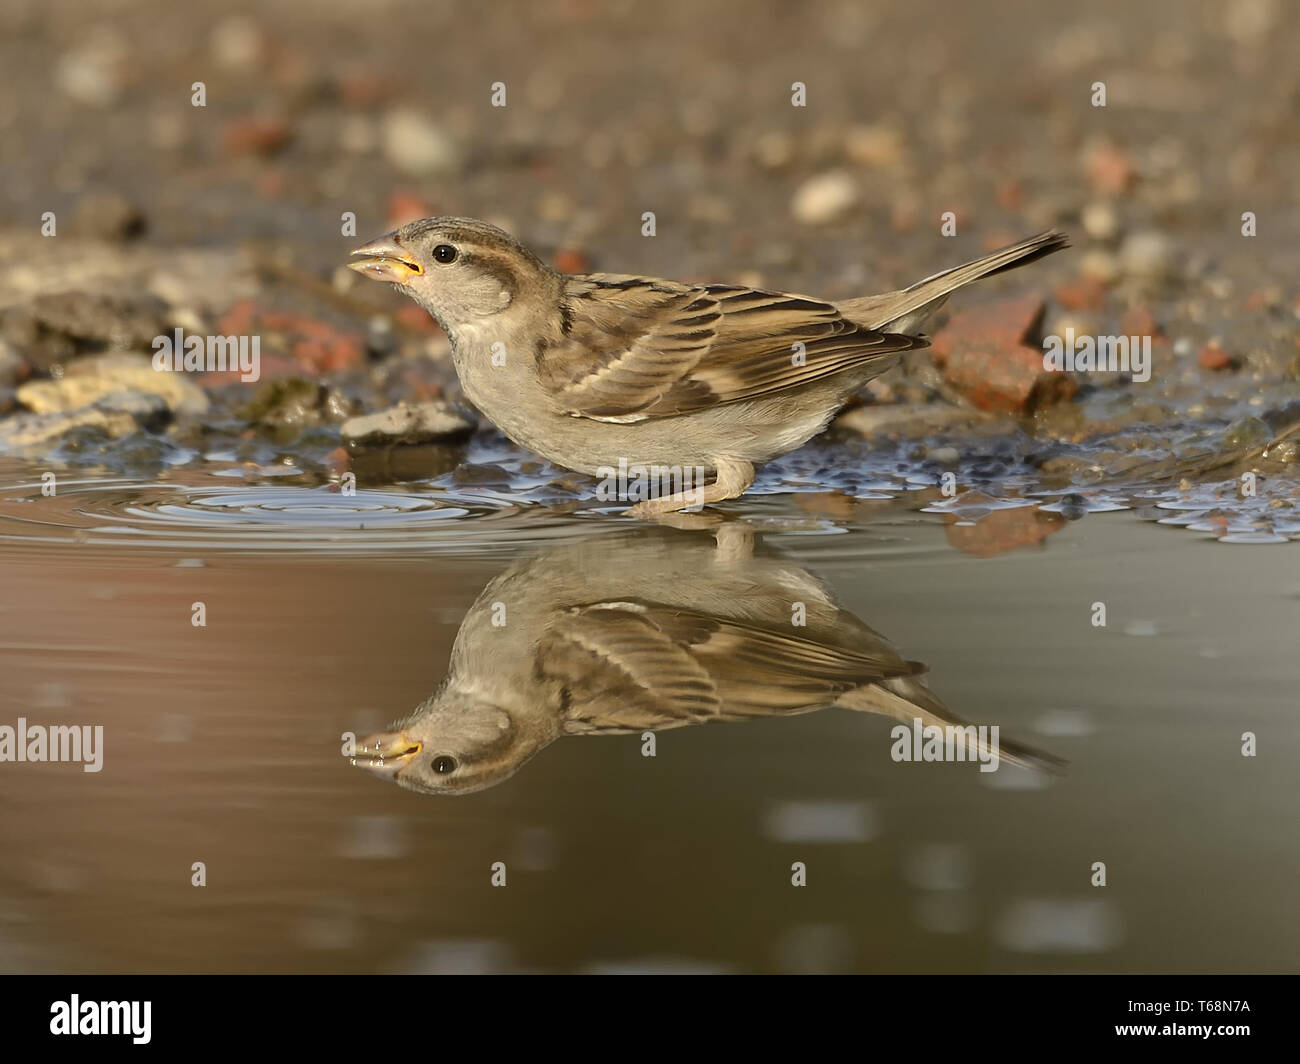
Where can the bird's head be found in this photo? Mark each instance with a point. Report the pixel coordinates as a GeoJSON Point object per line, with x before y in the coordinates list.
{"type": "Point", "coordinates": [460, 270]}
{"type": "Point", "coordinates": [454, 743]}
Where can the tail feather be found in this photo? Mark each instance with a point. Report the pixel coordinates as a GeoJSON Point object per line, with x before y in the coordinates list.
{"type": "Point", "coordinates": [906, 699]}
{"type": "Point", "coordinates": [905, 311]}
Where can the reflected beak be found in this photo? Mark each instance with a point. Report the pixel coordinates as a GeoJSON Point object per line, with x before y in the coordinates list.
{"type": "Point", "coordinates": [385, 753]}
{"type": "Point", "coordinates": [386, 260]}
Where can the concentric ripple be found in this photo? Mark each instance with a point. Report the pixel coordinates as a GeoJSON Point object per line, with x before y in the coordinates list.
{"type": "Point", "coordinates": [265, 517]}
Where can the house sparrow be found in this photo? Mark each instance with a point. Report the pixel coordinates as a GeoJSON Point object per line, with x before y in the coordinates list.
{"type": "Point", "coordinates": [591, 369]}
{"type": "Point", "coordinates": [642, 632]}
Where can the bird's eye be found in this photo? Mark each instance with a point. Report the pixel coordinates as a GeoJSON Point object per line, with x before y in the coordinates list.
{"type": "Point", "coordinates": [444, 253]}
{"type": "Point", "coordinates": [444, 764]}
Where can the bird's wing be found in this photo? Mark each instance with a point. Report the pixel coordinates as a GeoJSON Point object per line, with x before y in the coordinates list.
{"type": "Point", "coordinates": [625, 666]}
{"type": "Point", "coordinates": [633, 348]}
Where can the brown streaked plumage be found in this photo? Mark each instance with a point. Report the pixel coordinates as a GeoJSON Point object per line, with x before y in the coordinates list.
{"type": "Point", "coordinates": [595, 369]}
{"type": "Point", "coordinates": [688, 634]}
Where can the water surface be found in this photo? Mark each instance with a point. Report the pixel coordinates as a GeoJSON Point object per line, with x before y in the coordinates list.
{"type": "Point", "coordinates": [328, 615]}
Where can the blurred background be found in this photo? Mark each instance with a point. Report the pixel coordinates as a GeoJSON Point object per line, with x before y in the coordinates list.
{"type": "Point", "coordinates": [127, 211]}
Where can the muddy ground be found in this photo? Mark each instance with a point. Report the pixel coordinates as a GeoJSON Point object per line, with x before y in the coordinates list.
{"type": "Point", "coordinates": [129, 212]}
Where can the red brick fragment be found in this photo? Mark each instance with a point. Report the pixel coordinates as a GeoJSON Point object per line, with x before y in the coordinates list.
{"type": "Point", "coordinates": [1087, 293]}
{"type": "Point", "coordinates": [1214, 357]}
{"type": "Point", "coordinates": [1003, 530]}
{"type": "Point", "coordinates": [406, 206]}
{"type": "Point", "coordinates": [990, 355]}
{"type": "Point", "coordinates": [571, 260]}
{"type": "Point", "coordinates": [255, 136]}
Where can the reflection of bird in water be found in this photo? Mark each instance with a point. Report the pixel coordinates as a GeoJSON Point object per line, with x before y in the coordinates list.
{"type": "Point", "coordinates": [642, 632]}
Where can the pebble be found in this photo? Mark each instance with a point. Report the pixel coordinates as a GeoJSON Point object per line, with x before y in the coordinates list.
{"type": "Point", "coordinates": [96, 317]}
{"type": "Point", "coordinates": [423, 423]}
{"type": "Point", "coordinates": [237, 43]}
{"type": "Point", "coordinates": [107, 216]}
{"type": "Point", "coordinates": [357, 134]}
{"type": "Point", "coordinates": [1214, 357]}
{"type": "Point", "coordinates": [1247, 432]}
{"type": "Point", "coordinates": [287, 401]}
{"type": "Point", "coordinates": [149, 410]}
{"type": "Point", "coordinates": [774, 150]}
{"type": "Point", "coordinates": [875, 146]}
{"type": "Point", "coordinates": [93, 73]}
{"type": "Point", "coordinates": [1099, 265]}
{"type": "Point", "coordinates": [27, 430]}
{"type": "Point", "coordinates": [1148, 255]}
{"type": "Point", "coordinates": [88, 380]}
{"type": "Point", "coordinates": [255, 135]}
{"type": "Point", "coordinates": [417, 146]}
{"type": "Point", "coordinates": [825, 198]}
{"type": "Point", "coordinates": [1100, 221]}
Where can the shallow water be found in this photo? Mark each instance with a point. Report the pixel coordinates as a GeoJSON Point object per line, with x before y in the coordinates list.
{"type": "Point", "coordinates": [329, 614]}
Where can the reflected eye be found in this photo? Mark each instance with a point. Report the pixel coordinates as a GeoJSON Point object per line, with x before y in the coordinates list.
{"type": "Point", "coordinates": [443, 764]}
{"type": "Point", "coordinates": [444, 253]}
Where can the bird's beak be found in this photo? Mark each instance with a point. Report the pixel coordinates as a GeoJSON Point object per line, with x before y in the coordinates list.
{"type": "Point", "coordinates": [385, 753]}
{"type": "Point", "coordinates": [386, 260]}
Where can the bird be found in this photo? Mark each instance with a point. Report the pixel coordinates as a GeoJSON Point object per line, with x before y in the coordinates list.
{"type": "Point", "coordinates": [647, 630]}
{"type": "Point", "coordinates": [593, 370]}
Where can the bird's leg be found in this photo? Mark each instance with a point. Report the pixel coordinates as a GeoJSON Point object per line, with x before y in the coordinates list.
{"type": "Point", "coordinates": [732, 479]}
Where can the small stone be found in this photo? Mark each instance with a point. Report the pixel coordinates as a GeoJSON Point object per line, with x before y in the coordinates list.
{"type": "Point", "coordinates": [34, 430]}
{"type": "Point", "coordinates": [255, 135]}
{"type": "Point", "coordinates": [1139, 321]}
{"type": "Point", "coordinates": [1215, 358]}
{"type": "Point", "coordinates": [1247, 432]}
{"type": "Point", "coordinates": [1086, 294]}
{"type": "Point", "coordinates": [774, 150]}
{"type": "Point", "coordinates": [1286, 452]}
{"type": "Point", "coordinates": [1147, 255]}
{"type": "Point", "coordinates": [237, 43]}
{"type": "Point", "coordinates": [88, 380]}
{"type": "Point", "coordinates": [1099, 265]}
{"type": "Point", "coordinates": [286, 401]}
{"type": "Point", "coordinates": [149, 410]}
{"type": "Point", "coordinates": [415, 317]}
{"type": "Point", "coordinates": [875, 146]}
{"type": "Point", "coordinates": [987, 353]}
{"type": "Point", "coordinates": [118, 321]}
{"type": "Point", "coordinates": [107, 216]}
{"type": "Point", "coordinates": [95, 72]}
{"type": "Point", "coordinates": [358, 135]}
{"type": "Point", "coordinates": [1100, 221]}
{"type": "Point", "coordinates": [405, 206]}
{"type": "Point", "coordinates": [364, 89]}
{"type": "Point", "coordinates": [1110, 169]}
{"type": "Point", "coordinates": [416, 146]}
{"type": "Point", "coordinates": [1073, 506]}
{"type": "Point", "coordinates": [571, 260]}
{"type": "Point", "coordinates": [423, 423]}
{"type": "Point", "coordinates": [825, 198]}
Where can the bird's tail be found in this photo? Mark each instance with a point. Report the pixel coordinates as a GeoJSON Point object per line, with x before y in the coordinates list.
{"type": "Point", "coordinates": [906, 699]}
{"type": "Point", "coordinates": [908, 309]}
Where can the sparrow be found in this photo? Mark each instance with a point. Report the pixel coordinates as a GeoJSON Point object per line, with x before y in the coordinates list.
{"type": "Point", "coordinates": [644, 631]}
{"type": "Point", "coordinates": [590, 369]}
